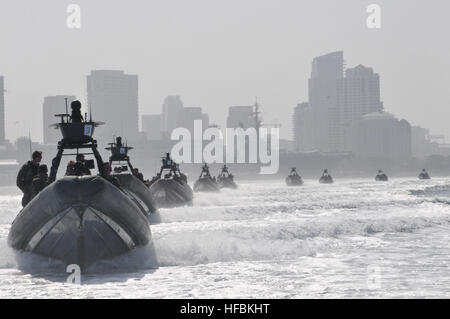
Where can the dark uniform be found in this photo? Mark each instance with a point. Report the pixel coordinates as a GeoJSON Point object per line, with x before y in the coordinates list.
{"type": "Point", "coordinates": [70, 170]}
{"type": "Point", "coordinates": [139, 175]}
{"type": "Point", "coordinates": [40, 181]}
{"type": "Point", "coordinates": [80, 169]}
{"type": "Point", "coordinates": [25, 181]}
{"type": "Point", "coordinates": [110, 178]}
{"type": "Point", "coordinates": [76, 116]}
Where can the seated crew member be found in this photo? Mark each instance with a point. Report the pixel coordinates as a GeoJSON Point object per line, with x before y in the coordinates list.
{"type": "Point", "coordinates": [107, 168]}
{"type": "Point", "coordinates": [70, 170]}
{"type": "Point", "coordinates": [76, 116]}
{"type": "Point", "coordinates": [138, 174]}
{"type": "Point", "coordinates": [25, 177]}
{"type": "Point", "coordinates": [205, 169]}
{"type": "Point", "coordinates": [40, 181]}
{"type": "Point", "coordinates": [154, 179]}
{"type": "Point", "coordinates": [80, 168]}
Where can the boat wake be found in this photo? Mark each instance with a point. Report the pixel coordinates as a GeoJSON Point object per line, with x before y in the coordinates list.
{"type": "Point", "coordinates": [232, 241]}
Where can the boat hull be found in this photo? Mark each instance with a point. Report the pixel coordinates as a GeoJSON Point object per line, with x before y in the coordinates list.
{"type": "Point", "coordinates": [227, 183]}
{"type": "Point", "coordinates": [80, 220]}
{"type": "Point", "coordinates": [381, 178]}
{"type": "Point", "coordinates": [171, 193]}
{"type": "Point", "coordinates": [138, 191]}
{"type": "Point", "coordinates": [323, 180]}
{"type": "Point", "coordinates": [294, 181]}
{"type": "Point", "coordinates": [206, 184]}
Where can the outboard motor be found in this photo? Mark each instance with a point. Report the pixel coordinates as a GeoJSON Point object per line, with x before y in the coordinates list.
{"type": "Point", "coordinates": [294, 179]}
{"type": "Point", "coordinates": [225, 179]}
{"type": "Point", "coordinates": [79, 219]}
{"type": "Point", "coordinates": [169, 187]}
{"type": "Point", "coordinates": [206, 183]}
{"type": "Point", "coordinates": [131, 184]}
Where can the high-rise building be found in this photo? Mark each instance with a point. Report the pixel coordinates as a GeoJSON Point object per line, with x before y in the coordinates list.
{"type": "Point", "coordinates": [190, 114]}
{"type": "Point", "coordinates": [113, 99]}
{"type": "Point", "coordinates": [358, 95]}
{"type": "Point", "coordinates": [53, 105]}
{"type": "Point", "coordinates": [2, 110]}
{"type": "Point", "coordinates": [303, 128]}
{"type": "Point", "coordinates": [381, 135]}
{"type": "Point", "coordinates": [421, 145]}
{"type": "Point", "coordinates": [240, 116]}
{"type": "Point", "coordinates": [327, 70]}
{"type": "Point", "coordinates": [151, 126]}
{"type": "Point", "coordinates": [171, 110]}
{"type": "Point", "coordinates": [336, 101]}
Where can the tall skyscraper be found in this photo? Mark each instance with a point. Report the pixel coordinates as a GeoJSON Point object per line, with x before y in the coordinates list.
{"type": "Point", "coordinates": [358, 95]}
{"type": "Point", "coordinates": [335, 102]}
{"type": "Point", "coordinates": [53, 105]}
{"type": "Point", "coordinates": [2, 110]}
{"type": "Point", "coordinates": [327, 70]}
{"type": "Point", "coordinates": [303, 128]}
{"type": "Point", "coordinates": [151, 126]}
{"type": "Point", "coordinates": [240, 116]}
{"type": "Point", "coordinates": [113, 99]}
{"type": "Point", "coordinates": [171, 110]}
{"type": "Point", "coordinates": [421, 145]}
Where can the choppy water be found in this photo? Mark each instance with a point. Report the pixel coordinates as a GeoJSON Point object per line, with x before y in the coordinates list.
{"type": "Point", "coordinates": [350, 239]}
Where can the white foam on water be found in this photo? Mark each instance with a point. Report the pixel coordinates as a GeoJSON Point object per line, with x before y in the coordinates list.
{"type": "Point", "coordinates": [267, 240]}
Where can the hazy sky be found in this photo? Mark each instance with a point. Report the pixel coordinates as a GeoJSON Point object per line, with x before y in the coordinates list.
{"type": "Point", "coordinates": [218, 53]}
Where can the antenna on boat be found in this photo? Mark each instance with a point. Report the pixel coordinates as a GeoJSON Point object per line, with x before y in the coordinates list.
{"type": "Point", "coordinates": [29, 141]}
{"type": "Point", "coordinates": [67, 109]}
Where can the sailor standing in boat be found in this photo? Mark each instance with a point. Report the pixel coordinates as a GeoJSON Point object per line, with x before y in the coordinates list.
{"type": "Point", "coordinates": [76, 116]}
{"type": "Point", "coordinates": [25, 177]}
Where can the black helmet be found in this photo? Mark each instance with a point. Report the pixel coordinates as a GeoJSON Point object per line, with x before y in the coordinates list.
{"type": "Point", "coordinates": [75, 105]}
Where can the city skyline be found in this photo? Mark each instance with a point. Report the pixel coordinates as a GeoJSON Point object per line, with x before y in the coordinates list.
{"type": "Point", "coordinates": [357, 92]}
{"type": "Point", "coordinates": [224, 56]}
{"type": "Point", "coordinates": [349, 77]}
{"type": "Point", "coordinates": [2, 109]}
{"type": "Point", "coordinates": [333, 119]}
